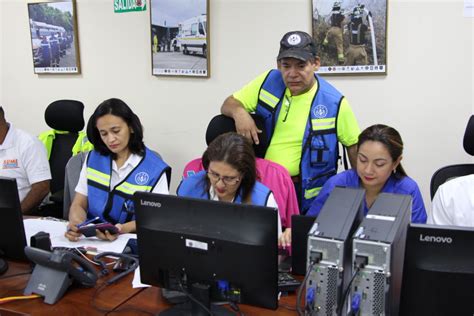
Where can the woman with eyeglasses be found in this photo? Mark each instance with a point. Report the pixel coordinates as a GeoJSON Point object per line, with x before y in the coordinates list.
{"type": "Point", "coordinates": [229, 175]}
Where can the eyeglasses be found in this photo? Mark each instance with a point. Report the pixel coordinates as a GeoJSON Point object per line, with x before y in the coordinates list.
{"type": "Point", "coordinates": [215, 177]}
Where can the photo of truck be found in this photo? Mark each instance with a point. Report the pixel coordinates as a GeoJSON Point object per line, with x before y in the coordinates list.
{"type": "Point", "coordinates": [180, 37]}
{"type": "Point", "coordinates": [192, 36]}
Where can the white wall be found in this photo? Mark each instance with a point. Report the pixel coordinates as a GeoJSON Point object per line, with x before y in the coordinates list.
{"type": "Point", "coordinates": [427, 94]}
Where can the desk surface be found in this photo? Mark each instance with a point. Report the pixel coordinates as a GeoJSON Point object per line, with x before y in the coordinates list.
{"type": "Point", "coordinates": [76, 301]}
{"type": "Point", "coordinates": [119, 297]}
{"type": "Point", "coordinates": [149, 302]}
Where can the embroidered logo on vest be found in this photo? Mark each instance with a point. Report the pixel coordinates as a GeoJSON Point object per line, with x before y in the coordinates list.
{"type": "Point", "coordinates": [320, 111]}
{"type": "Point", "coordinates": [142, 178]}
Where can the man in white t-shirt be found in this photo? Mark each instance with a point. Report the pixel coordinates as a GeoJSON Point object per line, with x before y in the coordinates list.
{"type": "Point", "coordinates": [23, 157]}
{"type": "Point", "coordinates": [453, 203]}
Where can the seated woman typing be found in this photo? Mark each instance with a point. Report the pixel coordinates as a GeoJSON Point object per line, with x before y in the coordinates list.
{"type": "Point", "coordinates": [378, 170]}
{"type": "Point", "coordinates": [119, 165]}
{"type": "Point", "coordinates": [229, 175]}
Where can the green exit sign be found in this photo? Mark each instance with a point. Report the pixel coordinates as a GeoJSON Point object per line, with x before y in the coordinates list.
{"type": "Point", "coordinates": [121, 6]}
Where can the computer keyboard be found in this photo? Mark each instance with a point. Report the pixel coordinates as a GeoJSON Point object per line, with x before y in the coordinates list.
{"type": "Point", "coordinates": [287, 283]}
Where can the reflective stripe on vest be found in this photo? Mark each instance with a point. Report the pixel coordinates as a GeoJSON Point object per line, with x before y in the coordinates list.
{"type": "Point", "coordinates": [323, 124]}
{"type": "Point", "coordinates": [268, 98]}
{"type": "Point", "coordinates": [129, 188]}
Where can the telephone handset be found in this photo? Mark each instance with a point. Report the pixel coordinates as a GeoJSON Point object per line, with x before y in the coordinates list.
{"type": "Point", "coordinates": [55, 271]}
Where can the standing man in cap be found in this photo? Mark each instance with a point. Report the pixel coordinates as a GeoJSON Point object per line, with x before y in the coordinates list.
{"type": "Point", "coordinates": [304, 116]}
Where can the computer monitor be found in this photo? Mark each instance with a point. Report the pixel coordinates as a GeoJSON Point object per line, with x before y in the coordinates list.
{"type": "Point", "coordinates": [12, 234]}
{"type": "Point", "coordinates": [438, 275]}
{"type": "Point", "coordinates": [227, 247]}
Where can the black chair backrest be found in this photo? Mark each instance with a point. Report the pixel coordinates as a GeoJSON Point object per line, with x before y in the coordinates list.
{"type": "Point", "coordinates": [449, 172]}
{"type": "Point", "coordinates": [63, 115]}
{"type": "Point", "coordinates": [221, 124]}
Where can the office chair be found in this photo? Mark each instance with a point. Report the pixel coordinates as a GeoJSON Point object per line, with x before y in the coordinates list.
{"type": "Point", "coordinates": [65, 117]}
{"type": "Point", "coordinates": [458, 170]}
{"type": "Point", "coordinates": [221, 124]}
{"type": "Point", "coordinates": [71, 178]}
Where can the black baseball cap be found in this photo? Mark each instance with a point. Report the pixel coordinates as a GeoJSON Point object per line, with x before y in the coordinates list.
{"type": "Point", "coordinates": [297, 44]}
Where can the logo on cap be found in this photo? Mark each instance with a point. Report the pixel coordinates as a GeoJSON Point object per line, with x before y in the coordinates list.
{"type": "Point", "coordinates": [294, 39]}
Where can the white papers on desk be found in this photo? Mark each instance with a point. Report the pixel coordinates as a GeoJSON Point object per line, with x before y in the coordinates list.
{"type": "Point", "coordinates": [136, 282]}
{"type": "Point", "coordinates": [56, 232]}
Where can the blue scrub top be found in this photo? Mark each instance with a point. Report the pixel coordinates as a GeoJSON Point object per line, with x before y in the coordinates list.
{"type": "Point", "coordinates": [350, 179]}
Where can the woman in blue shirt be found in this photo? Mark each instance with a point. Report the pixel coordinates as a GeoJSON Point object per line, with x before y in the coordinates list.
{"type": "Point", "coordinates": [230, 175]}
{"type": "Point", "coordinates": [379, 153]}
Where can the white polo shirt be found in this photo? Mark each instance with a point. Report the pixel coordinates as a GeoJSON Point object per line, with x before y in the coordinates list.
{"type": "Point", "coordinates": [23, 157]}
{"type": "Point", "coordinates": [120, 174]}
{"type": "Point", "coordinates": [453, 203]}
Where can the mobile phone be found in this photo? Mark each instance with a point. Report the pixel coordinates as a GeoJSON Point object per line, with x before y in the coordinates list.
{"type": "Point", "coordinates": [90, 230]}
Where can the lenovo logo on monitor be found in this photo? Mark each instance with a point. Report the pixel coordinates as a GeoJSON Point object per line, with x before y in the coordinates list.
{"type": "Point", "coordinates": [150, 203]}
{"type": "Point", "coordinates": [436, 239]}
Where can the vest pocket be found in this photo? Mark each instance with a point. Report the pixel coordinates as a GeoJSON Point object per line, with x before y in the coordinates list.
{"type": "Point", "coordinates": [319, 152]}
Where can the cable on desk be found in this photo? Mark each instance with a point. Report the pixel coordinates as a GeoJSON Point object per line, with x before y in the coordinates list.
{"type": "Point", "coordinates": [17, 298]}
{"type": "Point", "coordinates": [192, 298]}
{"type": "Point", "coordinates": [93, 303]}
{"type": "Point", "coordinates": [303, 284]}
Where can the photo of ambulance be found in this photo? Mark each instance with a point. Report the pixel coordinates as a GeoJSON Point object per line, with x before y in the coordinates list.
{"type": "Point", "coordinates": [192, 36]}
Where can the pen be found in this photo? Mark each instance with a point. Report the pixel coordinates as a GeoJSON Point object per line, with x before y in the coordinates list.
{"type": "Point", "coordinates": [87, 222]}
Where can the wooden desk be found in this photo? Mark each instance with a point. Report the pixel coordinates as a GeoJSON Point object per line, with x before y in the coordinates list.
{"type": "Point", "coordinates": [149, 302]}
{"type": "Point", "coordinates": [119, 297]}
{"type": "Point", "coordinates": [76, 301]}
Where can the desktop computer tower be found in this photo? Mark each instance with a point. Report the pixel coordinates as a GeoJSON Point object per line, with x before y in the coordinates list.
{"type": "Point", "coordinates": [378, 256]}
{"type": "Point", "coordinates": [329, 250]}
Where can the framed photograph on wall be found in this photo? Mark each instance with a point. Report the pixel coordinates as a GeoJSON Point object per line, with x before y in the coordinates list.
{"type": "Point", "coordinates": [351, 36]}
{"type": "Point", "coordinates": [53, 30]}
{"type": "Point", "coordinates": [180, 37]}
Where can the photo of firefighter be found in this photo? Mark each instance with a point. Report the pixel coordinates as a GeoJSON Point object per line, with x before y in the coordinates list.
{"type": "Point", "coordinates": [350, 35]}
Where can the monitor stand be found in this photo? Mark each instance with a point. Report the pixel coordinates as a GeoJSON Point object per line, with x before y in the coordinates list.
{"type": "Point", "coordinates": [201, 292]}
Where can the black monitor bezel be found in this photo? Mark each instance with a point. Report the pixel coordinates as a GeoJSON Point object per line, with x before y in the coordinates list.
{"type": "Point", "coordinates": [435, 271]}
{"type": "Point", "coordinates": [261, 289]}
{"type": "Point", "coordinates": [12, 235]}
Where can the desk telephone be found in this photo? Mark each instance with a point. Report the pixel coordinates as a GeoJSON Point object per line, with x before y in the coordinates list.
{"type": "Point", "coordinates": [55, 271]}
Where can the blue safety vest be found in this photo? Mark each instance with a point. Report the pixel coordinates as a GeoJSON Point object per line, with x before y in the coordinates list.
{"type": "Point", "coordinates": [115, 206]}
{"type": "Point", "coordinates": [320, 145]}
{"type": "Point", "coordinates": [195, 186]}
